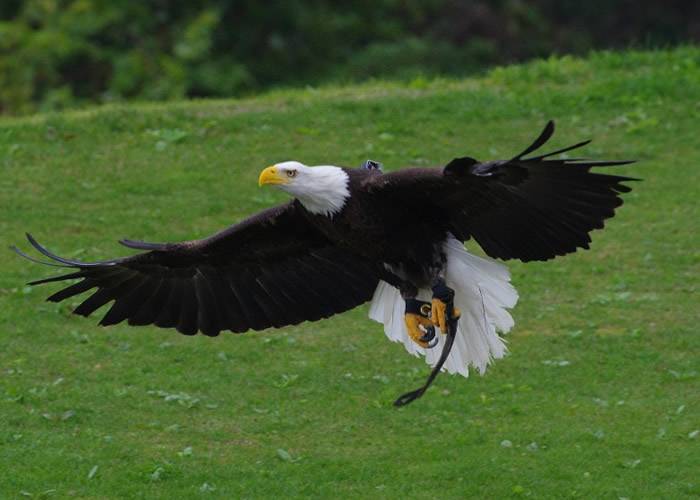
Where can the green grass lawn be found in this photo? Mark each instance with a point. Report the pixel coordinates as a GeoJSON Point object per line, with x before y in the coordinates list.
{"type": "Point", "coordinates": [599, 397]}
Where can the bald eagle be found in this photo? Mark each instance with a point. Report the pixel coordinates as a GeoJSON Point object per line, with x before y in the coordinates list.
{"type": "Point", "coordinates": [353, 235]}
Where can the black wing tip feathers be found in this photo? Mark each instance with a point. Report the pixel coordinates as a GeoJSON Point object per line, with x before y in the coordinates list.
{"type": "Point", "coordinates": [142, 245]}
{"type": "Point", "coordinates": [548, 130]}
{"type": "Point", "coordinates": [547, 133]}
{"type": "Point", "coordinates": [19, 252]}
{"type": "Point", "coordinates": [602, 163]}
{"type": "Point", "coordinates": [44, 251]}
{"type": "Point", "coordinates": [558, 151]}
{"type": "Point", "coordinates": [544, 136]}
{"type": "Point", "coordinates": [63, 262]}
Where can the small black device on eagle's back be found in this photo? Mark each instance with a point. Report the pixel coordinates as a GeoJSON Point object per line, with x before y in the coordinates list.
{"type": "Point", "coordinates": [372, 165]}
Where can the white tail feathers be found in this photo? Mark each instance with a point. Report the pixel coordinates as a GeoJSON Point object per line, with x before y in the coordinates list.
{"type": "Point", "coordinates": [483, 294]}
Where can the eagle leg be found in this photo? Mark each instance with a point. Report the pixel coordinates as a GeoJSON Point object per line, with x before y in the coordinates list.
{"type": "Point", "coordinates": [417, 313]}
{"type": "Point", "coordinates": [443, 308]}
{"type": "Point", "coordinates": [418, 323]}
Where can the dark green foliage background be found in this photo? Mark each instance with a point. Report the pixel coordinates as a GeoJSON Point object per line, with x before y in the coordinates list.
{"type": "Point", "coordinates": [64, 53]}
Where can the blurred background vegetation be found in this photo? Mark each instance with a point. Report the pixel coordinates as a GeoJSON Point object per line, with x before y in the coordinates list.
{"type": "Point", "coordinates": [56, 54]}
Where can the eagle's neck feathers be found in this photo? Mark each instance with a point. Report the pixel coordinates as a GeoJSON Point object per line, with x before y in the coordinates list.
{"type": "Point", "coordinates": [322, 190]}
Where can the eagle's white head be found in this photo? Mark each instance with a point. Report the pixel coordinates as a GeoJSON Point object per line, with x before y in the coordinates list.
{"type": "Point", "coordinates": [322, 189]}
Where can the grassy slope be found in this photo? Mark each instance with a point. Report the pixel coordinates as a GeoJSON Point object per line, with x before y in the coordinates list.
{"type": "Point", "coordinates": [603, 374]}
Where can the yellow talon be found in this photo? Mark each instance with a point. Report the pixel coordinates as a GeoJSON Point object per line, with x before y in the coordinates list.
{"type": "Point", "coordinates": [413, 324]}
{"type": "Point", "coordinates": [438, 314]}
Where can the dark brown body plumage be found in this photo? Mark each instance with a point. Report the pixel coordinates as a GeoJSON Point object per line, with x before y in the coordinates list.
{"type": "Point", "coordinates": [405, 234]}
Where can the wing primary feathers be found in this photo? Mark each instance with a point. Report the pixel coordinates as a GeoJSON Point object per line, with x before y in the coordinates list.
{"type": "Point", "coordinates": [68, 262]}
{"type": "Point", "coordinates": [105, 280]}
{"type": "Point", "coordinates": [558, 151]}
{"type": "Point", "coordinates": [143, 245]}
{"type": "Point", "coordinates": [149, 309]}
{"type": "Point", "coordinates": [602, 163]}
{"type": "Point", "coordinates": [126, 304]}
{"type": "Point", "coordinates": [75, 289]}
{"type": "Point", "coordinates": [104, 295]}
{"type": "Point", "coordinates": [37, 261]}
{"type": "Point", "coordinates": [543, 137]}
{"type": "Point", "coordinates": [63, 277]}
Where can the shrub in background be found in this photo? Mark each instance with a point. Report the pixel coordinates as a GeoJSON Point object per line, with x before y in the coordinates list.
{"type": "Point", "coordinates": [63, 53]}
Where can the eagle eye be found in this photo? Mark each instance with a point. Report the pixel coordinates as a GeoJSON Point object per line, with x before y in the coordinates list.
{"type": "Point", "coordinates": [291, 173]}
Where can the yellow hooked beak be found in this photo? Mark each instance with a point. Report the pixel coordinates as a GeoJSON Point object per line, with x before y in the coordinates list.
{"type": "Point", "coordinates": [271, 175]}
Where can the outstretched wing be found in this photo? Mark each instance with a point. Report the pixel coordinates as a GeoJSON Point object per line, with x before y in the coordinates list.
{"type": "Point", "coordinates": [524, 208]}
{"type": "Point", "coordinates": [273, 269]}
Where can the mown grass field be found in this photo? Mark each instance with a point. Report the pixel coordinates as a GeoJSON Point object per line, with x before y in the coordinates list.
{"type": "Point", "coordinates": [599, 398]}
